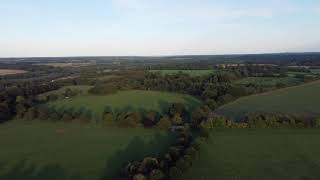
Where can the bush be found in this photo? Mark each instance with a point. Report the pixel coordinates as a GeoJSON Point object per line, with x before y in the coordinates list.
{"type": "Point", "coordinates": [216, 122]}
{"type": "Point", "coordinates": [157, 174]}
{"type": "Point", "coordinates": [192, 152]}
{"type": "Point", "coordinates": [139, 177]}
{"type": "Point", "coordinates": [317, 123]}
{"type": "Point", "coordinates": [164, 123]}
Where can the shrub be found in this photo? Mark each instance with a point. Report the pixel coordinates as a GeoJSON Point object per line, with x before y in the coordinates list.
{"type": "Point", "coordinates": [192, 152]}
{"type": "Point", "coordinates": [164, 123]}
{"type": "Point", "coordinates": [139, 177]}
{"type": "Point", "coordinates": [317, 123]}
{"type": "Point", "coordinates": [156, 174]}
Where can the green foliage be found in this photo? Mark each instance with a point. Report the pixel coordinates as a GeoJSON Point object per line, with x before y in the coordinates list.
{"type": "Point", "coordinates": [317, 123]}
{"type": "Point", "coordinates": [216, 122]}
{"type": "Point", "coordinates": [156, 174]}
{"type": "Point", "coordinates": [164, 123]}
{"type": "Point", "coordinates": [176, 119]}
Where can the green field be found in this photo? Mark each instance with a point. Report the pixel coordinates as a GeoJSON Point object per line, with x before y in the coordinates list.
{"type": "Point", "coordinates": [268, 81]}
{"type": "Point", "coordinates": [299, 101]}
{"type": "Point", "coordinates": [82, 89]}
{"type": "Point", "coordinates": [38, 150]}
{"type": "Point", "coordinates": [190, 72]}
{"type": "Point", "coordinates": [265, 154]}
{"type": "Point", "coordinates": [127, 100]}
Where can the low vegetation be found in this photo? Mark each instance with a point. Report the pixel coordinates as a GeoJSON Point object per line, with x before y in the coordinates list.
{"type": "Point", "coordinates": [136, 100]}
{"type": "Point", "coordinates": [39, 150]}
{"type": "Point", "coordinates": [258, 154]}
{"type": "Point", "coordinates": [299, 101]}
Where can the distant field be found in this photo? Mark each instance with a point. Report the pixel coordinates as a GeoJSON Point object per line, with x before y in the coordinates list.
{"type": "Point", "coordinates": [64, 64]}
{"type": "Point", "coordinates": [264, 154]}
{"type": "Point", "coordinates": [190, 72]}
{"type": "Point", "coordinates": [299, 101]}
{"type": "Point", "coordinates": [11, 71]}
{"type": "Point", "coordinates": [268, 81]}
{"type": "Point", "coordinates": [315, 71]}
{"type": "Point", "coordinates": [82, 89]}
{"type": "Point", "coordinates": [132, 99]}
{"type": "Point", "coordinates": [40, 150]}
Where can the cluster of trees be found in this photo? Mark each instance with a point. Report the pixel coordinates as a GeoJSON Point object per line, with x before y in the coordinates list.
{"type": "Point", "coordinates": [277, 120]}
{"type": "Point", "coordinates": [20, 98]}
{"type": "Point", "coordinates": [175, 115]}
{"type": "Point", "coordinates": [171, 164]}
{"type": "Point", "coordinates": [43, 112]}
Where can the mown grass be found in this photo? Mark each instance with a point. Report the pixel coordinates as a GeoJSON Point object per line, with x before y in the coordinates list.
{"type": "Point", "coordinates": [137, 100]}
{"type": "Point", "coordinates": [190, 72]}
{"type": "Point", "coordinates": [263, 154]}
{"type": "Point", "coordinates": [298, 101]}
{"type": "Point", "coordinates": [38, 150]}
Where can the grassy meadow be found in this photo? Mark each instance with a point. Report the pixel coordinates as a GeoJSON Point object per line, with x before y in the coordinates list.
{"type": "Point", "coordinates": [127, 100]}
{"type": "Point", "coordinates": [190, 72]}
{"type": "Point", "coordinates": [262, 154]}
{"type": "Point", "coordinates": [299, 101]}
{"type": "Point", "coordinates": [38, 150]}
{"type": "Point", "coordinates": [83, 89]}
{"type": "Point", "coordinates": [268, 81]}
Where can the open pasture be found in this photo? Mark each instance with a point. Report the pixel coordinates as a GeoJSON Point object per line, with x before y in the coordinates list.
{"type": "Point", "coordinates": [127, 100]}
{"type": "Point", "coordinates": [190, 72]}
{"type": "Point", "coordinates": [268, 81]}
{"type": "Point", "coordinates": [39, 150]}
{"type": "Point", "coordinates": [4, 72]}
{"type": "Point", "coordinates": [262, 154]}
{"type": "Point", "coordinates": [299, 101]}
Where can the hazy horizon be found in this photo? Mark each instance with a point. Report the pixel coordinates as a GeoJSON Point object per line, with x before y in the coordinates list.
{"type": "Point", "coordinates": [157, 28]}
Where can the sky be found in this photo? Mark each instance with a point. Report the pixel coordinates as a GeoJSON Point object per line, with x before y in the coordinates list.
{"type": "Point", "coordinates": [157, 27]}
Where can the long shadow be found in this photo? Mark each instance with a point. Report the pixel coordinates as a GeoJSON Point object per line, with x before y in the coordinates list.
{"type": "Point", "coordinates": [27, 171]}
{"type": "Point", "coordinates": [136, 150]}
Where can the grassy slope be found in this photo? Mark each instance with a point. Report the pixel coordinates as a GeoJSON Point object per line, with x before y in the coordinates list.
{"type": "Point", "coordinates": [300, 101]}
{"type": "Point", "coordinates": [268, 81]}
{"type": "Point", "coordinates": [60, 91]}
{"type": "Point", "coordinates": [259, 154]}
{"type": "Point", "coordinates": [191, 72]}
{"type": "Point", "coordinates": [40, 149]}
{"type": "Point", "coordinates": [133, 99]}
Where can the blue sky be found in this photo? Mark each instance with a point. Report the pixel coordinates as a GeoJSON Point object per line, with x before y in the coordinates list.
{"type": "Point", "coordinates": [157, 27]}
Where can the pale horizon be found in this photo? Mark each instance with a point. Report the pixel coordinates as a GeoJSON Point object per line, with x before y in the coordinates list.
{"type": "Point", "coordinates": [157, 28]}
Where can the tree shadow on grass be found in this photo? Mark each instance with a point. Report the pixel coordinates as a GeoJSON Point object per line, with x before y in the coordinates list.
{"type": "Point", "coordinates": [26, 171]}
{"type": "Point", "coordinates": [137, 149]}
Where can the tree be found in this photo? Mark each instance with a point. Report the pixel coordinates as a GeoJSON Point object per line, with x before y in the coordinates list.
{"type": "Point", "coordinates": [176, 119]}
{"type": "Point", "coordinates": [150, 119]}
{"type": "Point", "coordinates": [131, 119]}
{"type": "Point", "coordinates": [164, 123]}
{"type": "Point", "coordinates": [156, 174]}
{"type": "Point", "coordinates": [211, 104]}
{"type": "Point", "coordinates": [317, 123]}
{"type": "Point", "coordinates": [108, 117]}
{"type": "Point", "coordinates": [31, 114]}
